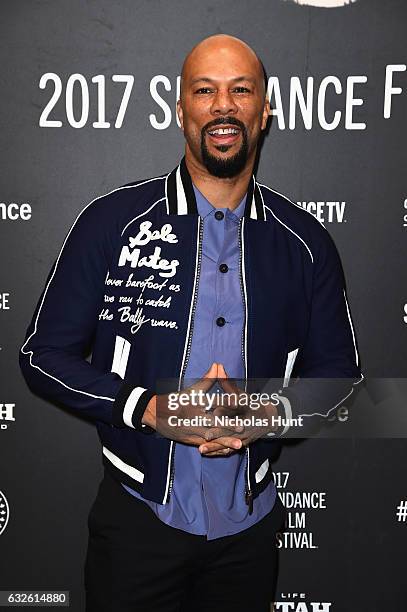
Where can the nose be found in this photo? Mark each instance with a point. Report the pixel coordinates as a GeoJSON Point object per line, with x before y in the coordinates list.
{"type": "Point", "coordinates": [223, 103]}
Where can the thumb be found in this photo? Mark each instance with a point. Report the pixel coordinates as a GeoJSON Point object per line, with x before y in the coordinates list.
{"type": "Point", "coordinates": [207, 380]}
{"type": "Point", "coordinates": [212, 372]}
{"type": "Point", "coordinates": [221, 371]}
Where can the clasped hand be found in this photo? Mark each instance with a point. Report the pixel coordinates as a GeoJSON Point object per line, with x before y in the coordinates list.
{"type": "Point", "coordinates": [211, 440]}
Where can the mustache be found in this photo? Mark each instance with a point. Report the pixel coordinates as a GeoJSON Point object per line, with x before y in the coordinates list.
{"type": "Point", "coordinates": [224, 121]}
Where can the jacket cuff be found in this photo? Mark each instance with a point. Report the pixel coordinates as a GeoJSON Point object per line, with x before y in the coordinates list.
{"type": "Point", "coordinates": [129, 407]}
{"type": "Point", "coordinates": [284, 412]}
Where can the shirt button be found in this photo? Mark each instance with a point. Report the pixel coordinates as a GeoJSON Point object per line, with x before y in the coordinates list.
{"type": "Point", "coordinates": [220, 321]}
{"type": "Point", "coordinates": [223, 267]}
{"type": "Point", "coordinates": [219, 215]}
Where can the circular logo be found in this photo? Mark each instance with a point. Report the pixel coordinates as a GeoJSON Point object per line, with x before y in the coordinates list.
{"type": "Point", "coordinates": [4, 512]}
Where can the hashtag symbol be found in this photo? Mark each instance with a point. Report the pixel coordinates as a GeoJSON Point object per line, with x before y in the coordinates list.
{"type": "Point", "coordinates": [402, 511]}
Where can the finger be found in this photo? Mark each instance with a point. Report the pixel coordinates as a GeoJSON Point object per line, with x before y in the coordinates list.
{"type": "Point", "coordinates": [211, 447]}
{"type": "Point", "coordinates": [228, 384]}
{"type": "Point", "coordinates": [229, 410]}
{"type": "Point", "coordinates": [225, 442]}
{"type": "Point", "coordinates": [191, 439]}
{"type": "Point", "coordinates": [219, 432]}
{"type": "Point", "coordinates": [225, 452]}
{"type": "Point", "coordinates": [222, 452]}
{"type": "Point", "coordinates": [212, 372]}
{"type": "Point", "coordinates": [207, 380]}
{"type": "Point", "coordinates": [221, 371]}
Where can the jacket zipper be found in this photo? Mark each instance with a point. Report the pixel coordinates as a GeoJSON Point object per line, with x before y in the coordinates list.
{"type": "Point", "coordinates": [189, 342]}
{"type": "Point", "coordinates": [248, 493]}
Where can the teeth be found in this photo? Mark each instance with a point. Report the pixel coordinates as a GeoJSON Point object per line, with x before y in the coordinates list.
{"type": "Point", "coordinates": [224, 131]}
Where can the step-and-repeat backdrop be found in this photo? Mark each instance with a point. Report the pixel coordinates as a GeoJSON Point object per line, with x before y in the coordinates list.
{"type": "Point", "coordinates": [88, 95]}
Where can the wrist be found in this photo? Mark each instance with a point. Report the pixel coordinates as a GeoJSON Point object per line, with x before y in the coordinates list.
{"type": "Point", "coordinates": [149, 415]}
{"type": "Point", "coordinates": [272, 414]}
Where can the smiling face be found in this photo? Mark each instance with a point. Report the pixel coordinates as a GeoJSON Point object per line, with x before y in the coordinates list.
{"type": "Point", "coordinates": [223, 106]}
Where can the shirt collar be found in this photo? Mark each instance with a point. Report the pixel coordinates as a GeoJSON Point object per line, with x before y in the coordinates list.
{"type": "Point", "coordinates": [181, 200]}
{"type": "Point", "coordinates": [205, 208]}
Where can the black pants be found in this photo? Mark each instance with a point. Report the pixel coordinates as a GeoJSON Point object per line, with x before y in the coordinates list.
{"type": "Point", "coordinates": [137, 563]}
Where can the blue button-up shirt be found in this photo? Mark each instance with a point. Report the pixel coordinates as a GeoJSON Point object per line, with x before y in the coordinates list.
{"type": "Point", "coordinates": [207, 497]}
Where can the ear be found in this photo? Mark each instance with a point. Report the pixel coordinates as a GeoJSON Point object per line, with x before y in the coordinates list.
{"type": "Point", "coordinates": [179, 113]}
{"type": "Point", "coordinates": [266, 112]}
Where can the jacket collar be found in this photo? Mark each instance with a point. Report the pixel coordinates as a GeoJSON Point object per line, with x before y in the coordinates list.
{"type": "Point", "coordinates": [180, 195]}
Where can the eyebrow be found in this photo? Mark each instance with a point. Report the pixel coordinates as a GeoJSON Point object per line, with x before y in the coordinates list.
{"type": "Point", "coordinates": [235, 79]}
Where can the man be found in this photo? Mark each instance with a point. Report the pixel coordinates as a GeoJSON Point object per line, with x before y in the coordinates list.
{"type": "Point", "coordinates": [204, 275]}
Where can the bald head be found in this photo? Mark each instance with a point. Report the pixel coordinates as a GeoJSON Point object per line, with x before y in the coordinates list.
{"type": "Point", "coordinates": [214, 51]}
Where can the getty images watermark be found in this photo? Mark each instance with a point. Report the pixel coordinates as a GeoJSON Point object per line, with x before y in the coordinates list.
{"type": "Point", "coordinates": [305, 408]}
{"type": "Point", "coordinates": [226, 410]}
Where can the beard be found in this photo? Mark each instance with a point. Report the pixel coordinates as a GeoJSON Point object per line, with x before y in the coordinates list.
{"type": "Point", "coordinates": [229, 166]}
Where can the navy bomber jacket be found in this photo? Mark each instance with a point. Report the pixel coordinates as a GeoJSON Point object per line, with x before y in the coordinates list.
{"type": "Point", "coordinates": [124, 288]}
